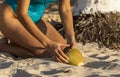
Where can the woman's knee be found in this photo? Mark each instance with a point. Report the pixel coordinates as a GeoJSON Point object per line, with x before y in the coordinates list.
{"type": "Point", "coordinates": [37, 52]}
{"type": "Point", "coordinates": [42, 53]}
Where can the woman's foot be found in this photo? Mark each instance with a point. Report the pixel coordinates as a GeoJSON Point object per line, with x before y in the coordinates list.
{"type": "Point", "coordinates": [3, 41]}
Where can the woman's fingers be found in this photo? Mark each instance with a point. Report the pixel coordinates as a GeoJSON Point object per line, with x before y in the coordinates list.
{"type": "Point", "coordinates": [59, 57]}
{"type": "Point", "coordinates": [64, 45]}
{"type": "Point", "coordinates": [56, 48]}
{"type": "Point", "coordinates": [63, 54]}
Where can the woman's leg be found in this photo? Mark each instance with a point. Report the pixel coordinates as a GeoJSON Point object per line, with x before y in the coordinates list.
{"type": "Point", "coordinates": [14, 49]}
{"type": "Point", "coordinates": [50, 31]}
{"type": "Point", "coordinates": [14, 30]}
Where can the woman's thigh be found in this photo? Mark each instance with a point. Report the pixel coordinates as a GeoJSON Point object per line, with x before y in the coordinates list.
{"type": "Point", "coordinates": [50, 31]}
{"type": "Point", "coordinates": [14, 30]}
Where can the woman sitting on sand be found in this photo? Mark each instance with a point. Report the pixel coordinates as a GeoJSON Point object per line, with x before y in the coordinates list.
{"type": "Point", "coordinates": [29, 34]}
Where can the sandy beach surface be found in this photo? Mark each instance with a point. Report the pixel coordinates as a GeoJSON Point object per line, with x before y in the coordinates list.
{"type": "Point", "coordinates": [99, 62]}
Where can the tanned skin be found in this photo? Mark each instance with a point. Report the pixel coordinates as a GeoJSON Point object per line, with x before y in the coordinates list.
{"type": "Point", "coordinates": [29, 39]}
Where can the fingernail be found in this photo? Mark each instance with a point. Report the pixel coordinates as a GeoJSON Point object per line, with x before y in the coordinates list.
{"type": "Point", "coordinates": [68, 45]}
{"type": "Point", "coordinates": [67, 61]}
{"type": "Point", "coordinates": [67, 58]}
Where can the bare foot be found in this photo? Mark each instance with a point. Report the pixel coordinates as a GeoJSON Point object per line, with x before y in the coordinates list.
{"type": "Point", "coordinates": [3, 41]}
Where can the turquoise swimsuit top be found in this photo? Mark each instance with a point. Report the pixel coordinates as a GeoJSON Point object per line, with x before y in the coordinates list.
{"type": "Point", "coordinates": [36, 7]}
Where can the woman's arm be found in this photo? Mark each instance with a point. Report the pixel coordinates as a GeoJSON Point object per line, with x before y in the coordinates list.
{"type": "Point", "coordinates": [22, 14]}
{"type": "Point", "coordinates": [54, 47]}
{"type": "Point", "coordinates": [67, 20]}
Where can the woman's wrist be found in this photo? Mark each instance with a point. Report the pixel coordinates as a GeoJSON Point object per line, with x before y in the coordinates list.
{"type": "Point", "coordinates": [71, 40]}
{"type": "Point", "coordinates": [46, 42]}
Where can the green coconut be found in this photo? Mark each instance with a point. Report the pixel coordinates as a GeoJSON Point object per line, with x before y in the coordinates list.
{"type": "Point", "coordinates": [75, 56]}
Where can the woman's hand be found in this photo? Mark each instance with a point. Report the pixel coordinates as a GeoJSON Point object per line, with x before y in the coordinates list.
{"type": "Point", "coordinates": [56, 50]}
{"type": "Point", "coordinates": [71, 41]}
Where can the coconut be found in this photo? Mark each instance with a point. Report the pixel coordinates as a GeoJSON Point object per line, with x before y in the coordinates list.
{"type": "Point", "coordinates": [75, 56]}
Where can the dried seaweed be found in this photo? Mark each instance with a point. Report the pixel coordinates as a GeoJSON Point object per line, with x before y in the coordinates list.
{"type": "Point", "coordinates": [102, 28]}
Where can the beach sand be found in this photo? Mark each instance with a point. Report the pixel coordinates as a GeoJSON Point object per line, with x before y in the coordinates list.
{"type": "Point", "coordinates": [99, 62]}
